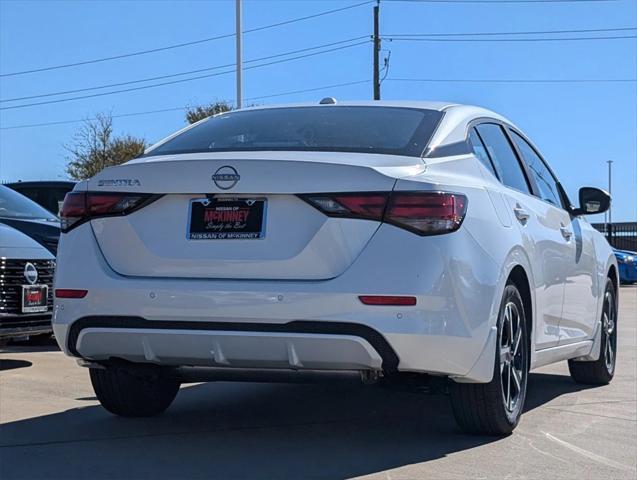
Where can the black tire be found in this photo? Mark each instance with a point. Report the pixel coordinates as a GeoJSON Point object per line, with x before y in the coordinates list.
{"type": "Point", "coordinates": [601, 371]}
{"type": "Point", "coordinates": [484, 408]}
{"type": "Point", "coordinates": [131, 392]}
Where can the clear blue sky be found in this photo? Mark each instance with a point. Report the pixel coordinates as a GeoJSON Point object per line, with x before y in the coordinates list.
{"type": "Point", "coordinates": [578, 126]}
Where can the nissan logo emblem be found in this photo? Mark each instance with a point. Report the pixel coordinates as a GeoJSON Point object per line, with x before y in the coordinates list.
{"type": "Point", "coordinates": [30, 273]}
{"type": "Point", "coordinates": [226, 177]}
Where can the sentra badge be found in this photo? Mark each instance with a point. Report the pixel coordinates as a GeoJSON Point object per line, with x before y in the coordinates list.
{"type": "Point", "coordinates": [120, 182]}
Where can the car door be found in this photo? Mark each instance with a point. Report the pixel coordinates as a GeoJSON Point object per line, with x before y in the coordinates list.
{"type": "Point", "coordinates": [541, 227]}
{"type": "Point", "coordinates": [579, 315]}
{"type": "Point", "coordinates": [579, 310]}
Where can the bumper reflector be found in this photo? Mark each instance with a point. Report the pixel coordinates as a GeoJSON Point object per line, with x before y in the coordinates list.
{"type": "Point", "coordinates": [70, 293]}
{"type": "Point", "coordinates": [387, 300]}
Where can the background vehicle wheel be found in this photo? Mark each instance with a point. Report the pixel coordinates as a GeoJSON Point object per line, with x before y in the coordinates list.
{"type": "Point", "coordinates": [494, 408]}
{"type": "Point", "coordinates": [601, 371]}
{"type": "Point", "coordinates": [129, 393]}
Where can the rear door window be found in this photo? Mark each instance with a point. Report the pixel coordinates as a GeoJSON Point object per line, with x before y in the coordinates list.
{"type": "Point", "coordinates": [544, 179]}
{"type": "Point", "coordinates": [503, 156]}
{"type": "Point", "coordinates": [480, 151]}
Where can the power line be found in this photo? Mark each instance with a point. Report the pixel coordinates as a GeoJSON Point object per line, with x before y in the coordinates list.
{"type": "Point", "coordinates": [537, 32]}
{"type": "Point", "coordinates": [185, 44]}
{"type": "Point", "coordinates": [172, 109]}
{"type": "Point", "coordinates": [514, 80]}
{"type": "Point", "coordinates": [337, 85]}
{"type": "Point", "coordinates": [500, 1]}
{"type": "Point", "coordinates": [190, 72]}
{"type": "Point", "coordinates": [182, 80]}
{"type": "Point", "coordinates": [62, 122]}
{"type": "Point", "coordinates": [399, 39]}
{"type": "Point", "coordinates": [393, 36]}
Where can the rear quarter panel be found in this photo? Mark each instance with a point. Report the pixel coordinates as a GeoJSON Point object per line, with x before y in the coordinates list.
{"type": "Point", "coordinates": [478, 268]}
{"type": "Point", "coordinates": [605, 259]}
{"type": "Point", "coordinates": [487, 218]}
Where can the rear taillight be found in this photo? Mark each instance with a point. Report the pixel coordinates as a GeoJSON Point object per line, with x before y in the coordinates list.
{"type": "Point", "coordinates": [73, 210]}
{"type": "Point", "coordinates": [430, 213]}
{"type": "Point", "coordinates": [369, 206]}
{"type": "Point", "coordinates": [80, 207]}
{"type": "Point", "coordinates": [423, 213]}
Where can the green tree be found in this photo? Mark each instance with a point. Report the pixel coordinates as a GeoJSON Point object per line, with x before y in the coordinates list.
{"type": "Point", "coordinates": [194, 114]}
{"type": "Point", "coordinates": [95, 147]}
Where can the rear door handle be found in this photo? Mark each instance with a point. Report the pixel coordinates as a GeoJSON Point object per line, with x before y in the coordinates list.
{"type": "Point", "coordinates": [521, 214]}
{"type": "Point", "coordinates": [566, 233]}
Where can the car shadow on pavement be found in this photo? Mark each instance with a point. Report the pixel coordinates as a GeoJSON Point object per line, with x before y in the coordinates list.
{"type": "Point", "coordinates": [25, 348]}
{"type": "Point", "coordinates": [544, 387]}
{"type": "Point", "coordinates": [226, 430]}
{"type": "Point", "coordinates": [10, 364]}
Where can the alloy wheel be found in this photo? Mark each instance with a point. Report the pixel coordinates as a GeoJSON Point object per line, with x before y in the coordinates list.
{"type": "Point", "coordinates": [610, 337]}
{"type": "Point", "coordinates": [512, 368]}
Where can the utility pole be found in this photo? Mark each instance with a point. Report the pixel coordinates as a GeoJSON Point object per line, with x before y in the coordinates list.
{"type": "Point", "coordinates": [239, 55]}
{"type": "Point", "coordinates": [376, 52]}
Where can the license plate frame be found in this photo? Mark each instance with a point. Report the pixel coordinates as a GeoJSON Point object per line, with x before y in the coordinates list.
{"type": "Point", "coordinates": [227, 218]}
{"type": "Point", "coordinates": [28, 306]}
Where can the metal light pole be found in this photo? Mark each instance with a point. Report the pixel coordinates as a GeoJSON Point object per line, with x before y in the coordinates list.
{"type": "Point", "coordinates": [239, 62]}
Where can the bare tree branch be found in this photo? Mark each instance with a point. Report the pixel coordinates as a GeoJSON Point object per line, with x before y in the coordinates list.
{"type": "Point", "coordinates": [94, 147]}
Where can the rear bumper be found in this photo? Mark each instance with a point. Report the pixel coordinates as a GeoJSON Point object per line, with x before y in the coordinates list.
{"type": "Point", "coordinates": [294, 345]}
{"type": "Point", "coordinates": [179, 321]}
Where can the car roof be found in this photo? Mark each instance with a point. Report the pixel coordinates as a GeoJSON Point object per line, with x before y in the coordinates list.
{"type": "Point", "coordinates": [422, 104]}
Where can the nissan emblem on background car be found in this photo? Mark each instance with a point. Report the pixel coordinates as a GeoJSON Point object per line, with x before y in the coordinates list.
{"type": "Point", "coordinates": [30, 273]}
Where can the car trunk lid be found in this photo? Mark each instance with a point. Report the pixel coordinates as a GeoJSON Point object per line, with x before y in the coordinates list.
{"type": "Point", "coordinates": [297, 241]}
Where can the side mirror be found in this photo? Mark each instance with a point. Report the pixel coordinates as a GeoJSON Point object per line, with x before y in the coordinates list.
{"type": "Point", "coordinates": [591, 201]}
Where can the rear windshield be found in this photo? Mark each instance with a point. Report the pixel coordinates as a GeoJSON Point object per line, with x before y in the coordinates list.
{"type": "Point", "coordinates": [389, 130]}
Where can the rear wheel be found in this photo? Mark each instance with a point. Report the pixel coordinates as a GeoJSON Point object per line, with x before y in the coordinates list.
{"type": "Point", "coordinates": [602, 370]}
{"type": "Point", "coordinates": [494, 408]}
{"type": "Point", "coordinates": [131, 392]}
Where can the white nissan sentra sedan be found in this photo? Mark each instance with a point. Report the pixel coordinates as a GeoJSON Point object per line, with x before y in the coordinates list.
{"type": "Point", "coordinates": [381, 240]}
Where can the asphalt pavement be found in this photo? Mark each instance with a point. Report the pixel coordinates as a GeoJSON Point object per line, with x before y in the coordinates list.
{"type": "Point", "coordinates": [51, 426]}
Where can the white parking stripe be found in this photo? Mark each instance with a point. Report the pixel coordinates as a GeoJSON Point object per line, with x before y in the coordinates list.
{"type": "Point", "coordinates": [592, 456]}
